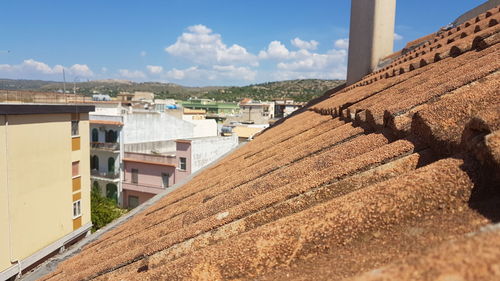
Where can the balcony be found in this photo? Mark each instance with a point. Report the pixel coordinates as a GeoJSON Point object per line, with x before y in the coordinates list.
{"type": "Point", "coordinates": [105, 175]}
{"type": "Point", "coordinates": [162, 159]}
{"type": "Point", "coordinates": [108, 146]}
{"type": "Point", "coordinates": [151, 189]}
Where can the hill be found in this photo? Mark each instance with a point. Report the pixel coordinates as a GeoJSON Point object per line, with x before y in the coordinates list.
{"type": "Point", "coordinates": [299, 90]}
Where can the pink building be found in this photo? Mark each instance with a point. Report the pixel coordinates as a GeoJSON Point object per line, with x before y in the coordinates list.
{"type": "Point", "coordinates": [183, 155]}
{"type": "Point", "coordinates": [145, 176]}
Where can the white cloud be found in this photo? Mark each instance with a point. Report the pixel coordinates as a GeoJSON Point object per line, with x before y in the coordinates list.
{"type": "Point", "coordinates": [154, 69]}
{"type": "Point", "coordinates": [275, 50]}
{"type": "Point", "coordinates": [32, 69]}
{"type": "Point", "coordinates": [201, 46]}
{"type": "Point", "coordinates": [143, 53]}
{"type": "Point", "coordinates": [307, 64]}
{"type": "Point", "coordinates": [397, 37]}
{"type": "Point", "coordinates": [131, 74]}
{"type": "Point", "coordinates": [307, 45]}
{"type": "Point", "coordinates": [81, 70]}
{"type": "Point", "coordinates": [342, 43]}
{"type": "Point", "coordinates": [104, 69]}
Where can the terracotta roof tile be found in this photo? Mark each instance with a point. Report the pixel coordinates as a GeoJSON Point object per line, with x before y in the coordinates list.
{"type": "Point", "coordinates": [384, 172]}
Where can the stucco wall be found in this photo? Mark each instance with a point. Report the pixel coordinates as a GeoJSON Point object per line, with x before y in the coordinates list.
{"type": "Point", "coordinates": [149, 174]}
{"type": "Point", "coordinates": [36, 151]}
{"type": "Point", "coordinates": [149, 147]}
{"type": "Point", "coordinates": [154, 126]}
{"type": "Point", "coordinates": [207, 150]}
{"type": "Point", "coordinates": [204, 128]}
{"type": "Point", "coordinates": [4, 216]}
{"type": "Point", "coordinates": [183, 150]}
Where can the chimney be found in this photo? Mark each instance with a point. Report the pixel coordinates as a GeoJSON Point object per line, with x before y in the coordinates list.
{"type": "Point", "coordinates": [371, 36]}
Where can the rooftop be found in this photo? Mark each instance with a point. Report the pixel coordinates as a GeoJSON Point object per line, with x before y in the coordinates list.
{"type": "Point", "coordinates": [395, 177]}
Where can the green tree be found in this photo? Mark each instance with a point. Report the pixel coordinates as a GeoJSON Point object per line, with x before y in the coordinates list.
{"type": "Point", "coordinates": [104, 210]}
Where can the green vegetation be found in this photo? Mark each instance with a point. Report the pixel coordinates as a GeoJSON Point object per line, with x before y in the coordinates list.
{"type": "Point", "coordinates": [298, 90]}
{"type": "Point", "coordinates": [104, 210]}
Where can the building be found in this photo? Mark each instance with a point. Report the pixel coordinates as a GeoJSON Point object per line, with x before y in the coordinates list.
{"type": "Point", "coordinates": [255, 112]}
{"type": "Point", "coordinates": [106, 154]}
{"type": "Point", "coordinates": [115, 130]}
{"type": "Point", "coordinates": [394, 177]}
{"type": "Point", "coordinates": [147, 174]}
{"type": "Point", "coordinates": [213, 108]}
{"type": "Point", "coordinates": [196, 153]}
{"type": "Point", "coordinates": [44, 181]}
{"type": "Point", "coordinates": [285, 107]}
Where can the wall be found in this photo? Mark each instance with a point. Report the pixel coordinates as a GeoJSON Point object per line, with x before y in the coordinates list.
{"type": "Point", "coordinates": [149, 147]}
{"type": "Point", "coordinates": [155, 126]}
{"type": "Point", "coordinates": [149, 174]}
{"type": "Point", "coordinates": [204, 128]}
{"type": "Point", "coordinates": [183, 150]}
{"type": "Point", "coordinates": [207, 150]}
{"type": "Point", "coordinates": [36, 150]}
{"type": "Point", "coordinates": [143, 197]}
{"type": "Point", "coordinates": [4, 215]}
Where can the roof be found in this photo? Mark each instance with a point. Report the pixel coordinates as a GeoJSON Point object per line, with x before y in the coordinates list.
{"type": "Point", "coordinates": [391, 178]}
{"type": "Point", "coordinates": [105, 122]}
{"type": "Point", "coordinates": [18, 109]}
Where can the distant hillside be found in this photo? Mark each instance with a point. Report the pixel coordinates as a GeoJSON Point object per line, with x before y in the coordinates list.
{"type": "Point", "coordinates": [299, 90]}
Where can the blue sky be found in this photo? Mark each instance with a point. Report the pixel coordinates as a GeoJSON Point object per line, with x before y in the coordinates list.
{"type": "Point", "coordinates": [193, 42]}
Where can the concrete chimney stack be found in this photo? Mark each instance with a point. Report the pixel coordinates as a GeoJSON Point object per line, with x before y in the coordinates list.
{"type": "Point", "coordinates": [371, 36]}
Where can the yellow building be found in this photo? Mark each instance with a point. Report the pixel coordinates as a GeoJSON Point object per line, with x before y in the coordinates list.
{"type": "Point", "coordinates": [44, 181]}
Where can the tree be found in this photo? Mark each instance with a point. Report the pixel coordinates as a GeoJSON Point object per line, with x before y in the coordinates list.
{"type": "Point", "coordinates": [103, 210]}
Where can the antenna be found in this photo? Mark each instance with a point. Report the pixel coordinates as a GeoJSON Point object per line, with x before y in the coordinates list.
{"type": "Point", "coordinates": [64, 81]}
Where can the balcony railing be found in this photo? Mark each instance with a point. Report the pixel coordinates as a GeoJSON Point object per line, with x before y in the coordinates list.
{"type": "Point", "coordinates": [108, 175]}
{"type": "Point", "coordinates": [111, 146]}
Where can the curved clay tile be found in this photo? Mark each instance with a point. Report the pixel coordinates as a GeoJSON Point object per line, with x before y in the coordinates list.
{"type": "Point", "coordinates": [450, 33]}
{"type": "Point", "coordinates": [401, 71]}
{"type": "Point", "coordinates": [488, 14]}
{"type": "Point", "coordinates": [478, 43]}
{"type": "Point", "coordinates": [492, 22]}
{"type": "Point", "coordinates": [455, 51]}
{"type": "Point", "coordinates": [451, 40]}
{"type": "Point", "coordinates": [437, 57]}
{"type": "Point", "coordinates": [477, 29]}
{"type": "Point", "coordinates": [463, 35]}
{"type": "Point", "coordinates": [439, 46]}
{"type": "Point", "coordinates": [477, 19]}
{"type": "Point", "coordinates": [467, 24]}
{"type": "Point", "coordinates": [412, 67]}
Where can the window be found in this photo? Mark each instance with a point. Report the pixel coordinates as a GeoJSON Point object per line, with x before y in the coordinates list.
{"type": "Point", "coordinates": [133, 201]}
{"type": "Point", "coordinates": [74, 127]}
{"type": "Point", "coordinates": [75, 168]}
{"type": "Point", "coordinates": [95, 135]}
{"type": "Point", "coordinates": [94, 162]}
{"type": "Point", "coordinates": [135, 175]}
{"type": "Point", "coordinates": [182, 163]}
{"type": "Point", "coordinates": [111, 165]}
{"type": "Point", "coordinates": [77, 209]}
{"type": "Point", "coordinates": [165, 179]}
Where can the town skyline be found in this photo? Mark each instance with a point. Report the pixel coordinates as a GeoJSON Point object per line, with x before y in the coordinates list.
{"type": "Point", "coordinates": [193, 43]}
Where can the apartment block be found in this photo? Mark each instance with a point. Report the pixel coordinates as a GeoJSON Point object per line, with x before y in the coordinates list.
{"type": "Point", "coordinates": [44, 181]}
